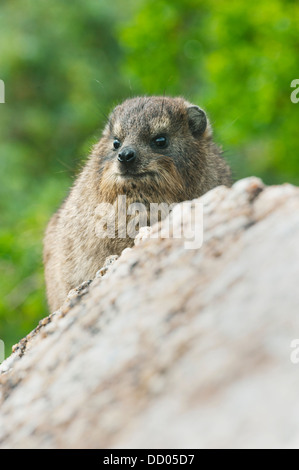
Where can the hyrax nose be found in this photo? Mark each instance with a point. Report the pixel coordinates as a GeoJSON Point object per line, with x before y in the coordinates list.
{"type": "Point", "coordinates": [127, 156]}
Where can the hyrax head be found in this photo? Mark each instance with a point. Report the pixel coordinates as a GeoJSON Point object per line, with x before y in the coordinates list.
{"type": "Point", "coordinates": [156, 142]}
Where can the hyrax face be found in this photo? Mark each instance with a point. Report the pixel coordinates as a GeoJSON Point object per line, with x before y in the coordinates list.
{"type": "Point", "coordinates": [155, 142]}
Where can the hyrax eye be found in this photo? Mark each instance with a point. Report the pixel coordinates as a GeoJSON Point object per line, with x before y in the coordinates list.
{"type": "Point", "coordinates": [161, 141]}
{"type": "Point", "coordinates": [116, 144]}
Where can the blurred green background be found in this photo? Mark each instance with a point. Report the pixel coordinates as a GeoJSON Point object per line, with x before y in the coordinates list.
{"type": "Point", "coordinates": [67, 64]}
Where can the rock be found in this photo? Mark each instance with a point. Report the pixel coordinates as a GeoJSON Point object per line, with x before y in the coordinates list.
{"type": "Point", "coordinates": [172, 347]}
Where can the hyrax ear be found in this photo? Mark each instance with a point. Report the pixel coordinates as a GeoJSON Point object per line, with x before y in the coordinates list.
{"type": "Point", "coordinates": [197, 119]}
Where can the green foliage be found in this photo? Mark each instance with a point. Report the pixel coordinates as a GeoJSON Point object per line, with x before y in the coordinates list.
{"type": "Point", "coordinates": [66, 64]}
{"type": "Point", "coordinates": [236, 59]}
{"type": "Point", "coordinates": [59, 63]}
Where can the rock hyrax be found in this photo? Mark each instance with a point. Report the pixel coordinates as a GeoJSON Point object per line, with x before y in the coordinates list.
{"type": "Point", "coordinates": [153, 149]}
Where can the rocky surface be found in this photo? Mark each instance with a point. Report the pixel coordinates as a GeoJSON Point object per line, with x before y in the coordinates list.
{"type": "Point", "coordinates": [172, 347]}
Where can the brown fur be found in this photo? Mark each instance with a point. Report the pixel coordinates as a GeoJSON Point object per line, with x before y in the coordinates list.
{"type": "Point", "coordinates": [190, 166]}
